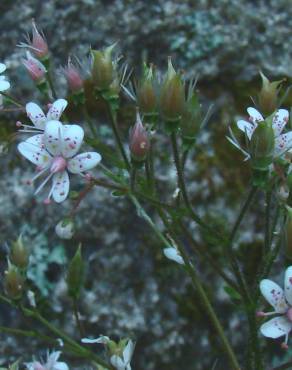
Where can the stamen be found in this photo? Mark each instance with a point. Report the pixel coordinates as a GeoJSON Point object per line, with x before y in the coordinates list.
{"type": "Point", "coordinates": [43, 184]}
{"type": "Point", "coordinates": [284, 345]}
{"type": "Point", "coordinates": [263, 314]}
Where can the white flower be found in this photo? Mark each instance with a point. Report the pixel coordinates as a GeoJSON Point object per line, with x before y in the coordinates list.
{"type": "Point", "coordinates": [123, 363]}
{"type": "Point", "coordinates": [173, 254]}
{"type": "Point", "coordinates": [55, 152]}
{"type": "Point", "coordinates": [283, 142]}
{"type": "Point", "coordinates": [4, 84]}
{"type": "Point", "coordinates": [39, 118]}
{"type": "Point", "coordinates": [102, 339]}
{"type": "Point", "coordinates": [52, 363]}
{"type": "Point", "coordinates": [282, 303]}
{"type": "Point", "coordinates": [65, 229]}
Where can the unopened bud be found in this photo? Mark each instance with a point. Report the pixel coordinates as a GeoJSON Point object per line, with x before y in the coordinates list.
{"type": "Point", "coordinates": [34, 67]}
{"type": "Point", "coordinates": [139, 141]}
{"type": "Point", "coordinates": [103, 72]}
{"type": "Point", "coordinates": [146, 94]}
{"type": "Point", "coordinates": [172, 97]}
{"type": "Point", "coordinates": [191, 119]}
{"type": "Point", "coordinates": [283, 193]}
{"type": "Point", "coordinates": [39, 45]}
{"type": "Point", "coordinates": [262, 145]}
{"type": "Point", "coordinates": [19, 254]}
{"type": "Point", "coordinates": [76, 274]}
{"type": "Point", "coordinates": [73, 77]}
{"type": "Point", "coordinates": [13, 282]}
{"type": "Point", "coordinates": [268, 96]}
{"type": "Point", "coordinates": [65, 229]}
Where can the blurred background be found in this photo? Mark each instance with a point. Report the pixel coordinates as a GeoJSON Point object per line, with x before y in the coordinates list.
{"type": "Point", "coordinates": [130, 288]}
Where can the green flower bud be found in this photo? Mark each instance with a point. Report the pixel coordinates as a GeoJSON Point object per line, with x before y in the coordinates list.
{"type": "Point", "coordinates": [19, 255]}
{"type": "Point", "coordinates": [103, 71]}
{"type": "Point", "coordinates": [172, 96]}
{"type": "Point", "coordinates": [76, 275]}
{"type": "Point", "coordinates": [146, 94]}
{"type": "Point", "coordinates": [262, 145]}
{"type": "Point", "coordinates": [268, 96]}
{"type": "Point", "coordinates": [14, 282]}
{"type": "Point", "coordinates": [191, 119]}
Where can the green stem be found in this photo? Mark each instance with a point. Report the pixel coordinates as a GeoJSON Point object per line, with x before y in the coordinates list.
{"type": "Point", "coordinates": [182, 186]}
{"type": "Point", "coordinates": [196, 283]}
{"type": "Point", "coordinates": [267, 244]}
{"type": "Point", "coordinates": [89, 120]}
{"type": "Point", "coordinates": [113, 121]}
{"type": "Point", "coordinates": [133, 178]}
{"type": "Point", "coordinates": [51, 85]}
{"type": "Point", "coordinates": [13, 100]}
{"type": "Point", "coordinates": [77, 318]}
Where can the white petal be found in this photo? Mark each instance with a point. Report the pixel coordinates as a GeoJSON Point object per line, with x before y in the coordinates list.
{"type": "Point", "coordinates": [36, 115]}
{"type": "Point", "coordinates": [288, 285]}
{"type": "Point", "coordinates": [60, 366]}
{"type": "Point", "coordinates": [53, 137]}
{"type": "Point", "coordinates": [61, 185]}
{"type": "Point", "coordinates": [117, 362]}
{"type": "Point", "coordinates": [279, 121]}
{"type": "Point", "coordinates": [172, 254]}
{"type": "Point", "coordinates": [276, 327]}
{"type": "Point", "coordinates": [254, 115]}
{"type": "Point", "coordinates": [57, 109]}
{"type": "Point", "coordinates": [83, 162]}
{"type": "Point", "coordinates": [247, 127]}
{"type": "Point", "coordinates": [2, 67]}
{"type": "Point", "coordinates": [274, 294]}
{"type": "Point", "coordinates": [283, 143]}
{"type": "Point", "coordinates": [128, 351]}
{"type": "Point", "coordinates": [102, 339]}
{"type": "Point", "coordinates": [32, 150]}
{"type": "Point", "coordinates": [71, 140]}
{"type": "Point", "coordinates": [4, 85]}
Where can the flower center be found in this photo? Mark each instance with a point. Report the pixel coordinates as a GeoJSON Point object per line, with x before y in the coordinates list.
{"type": "Point", "coordinates": [289, 314]}
{"type": "Point", "coordinates": [59, 164]}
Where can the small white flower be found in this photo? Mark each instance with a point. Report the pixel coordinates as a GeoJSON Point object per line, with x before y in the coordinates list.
{"type": "Point", "coordinates": [102, 340]}
{"type": "Point", "coordinates": [56, 152]}
{"type": "Point", "coordinates": [173, 254]}
{"type": "Point", "coordinates": [4, 84]}
{"type": "Point", "coordinates": [283, 142]}
{"type": "Point", "coordinates": [65, 229]}
{"type": "Point", "coordinates": [39, 118]}
{"type": "Point", "coordinates": [123, 363]}
{"type": "Point", "coordinates": [52, 363]}
{"type": "Point", "coordinates": [282, 303]}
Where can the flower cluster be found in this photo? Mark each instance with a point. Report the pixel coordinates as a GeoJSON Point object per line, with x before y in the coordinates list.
{"type": "Point", "coordinates": [54, 149]}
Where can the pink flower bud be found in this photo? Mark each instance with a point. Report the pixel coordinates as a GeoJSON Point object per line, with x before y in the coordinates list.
{"type": "Point", "coordinates": [139, 140]}
{"type": "Point", "coordinates": [34, 67]}
{"type": "Point", "coordinates": [39, 45]}
{"type": "Point", "coordinates": [73, 77]}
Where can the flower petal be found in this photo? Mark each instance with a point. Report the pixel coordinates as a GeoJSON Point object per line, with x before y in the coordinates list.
{"type": "Point", "coordinates": [83, 162]}
{"type": "Point", "coordinates": [247, 127]}
{"type": "Point", "coordinates": [276, 327]}
{"type": "Point", "coordinates": [117, 362]}
{"type": "Point", "coordinates": [288, 285]}
{"type": "Point", "coordinates": [36, 115]}
{"type": "Point", "coordinates": [4, 85]}
{"type": "Point", "coordinates": [274, 294]}
{"type": "Point", "coordinates": [283, 143]}
{"type": "Point", "coordinates": [172, 254]}
{"type": "Point", "coordinates": [53, 137]}
{"type": "Point", "coordinates": [56, 109]}
{"type": "Point", "coordinates": [279, 121]}
{"type": "Point", "coordinates": [254, 115]}
{"type": "Point", "coordinates": [60, 366]}
{"type": "Point", "coordinates": [128, 351]}
{"type": "Point", "coordinates": [72, 137]}
{"type": "Point", "coordinates": [61, 185]}
{"type": "Point", "coordinates": [33, 150]}
{"type": "Point", "coordinates": [2, 67]}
